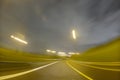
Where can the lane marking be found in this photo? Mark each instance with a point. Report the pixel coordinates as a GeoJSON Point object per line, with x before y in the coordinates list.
{"type": "Point", "coordinates": [78, 71]}
{"type": "Point", "coordinates": [100, 67]}
{"type": "Point", "coordinates": [25, 72]}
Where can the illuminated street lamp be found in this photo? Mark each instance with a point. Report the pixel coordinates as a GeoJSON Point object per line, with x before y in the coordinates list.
{"type": "Point", "coordinates": [48, 50]}
{"type": "Point", "coordinates": [62, 54]}
{"type": "Point", "coordinates": [53, 51]}
{"type": "Point", "coordinates": [19, 40]}
{"type": "Point", "coordinates": [74, 34]}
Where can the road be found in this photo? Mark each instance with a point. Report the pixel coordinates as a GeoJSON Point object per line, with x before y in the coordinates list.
{"type": "Point", "coordinates": [62, 70]}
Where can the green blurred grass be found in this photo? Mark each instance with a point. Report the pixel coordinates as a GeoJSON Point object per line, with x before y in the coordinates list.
{"type": "Point", "coordinates": [107, 52]}
{"type": "Point", "coordinates": [13, 55]}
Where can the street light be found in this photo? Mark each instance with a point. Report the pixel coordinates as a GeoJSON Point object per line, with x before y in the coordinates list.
{"type": "Point", "coordinates": [18, 39]}
{"type": "Point", "coordinates": [53, 51]}
{"type": "Point", "coordinates": [62, 54]}
{"type": "Point", "coordinates": [50, 51]}
{"type": "Point", "coordinates": [74, 34]}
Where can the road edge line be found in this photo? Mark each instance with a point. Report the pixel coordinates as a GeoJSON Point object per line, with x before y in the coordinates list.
{"type": "Point", "coordinates": [78, 71]}
{"type": "Point", "coordinates": [25, 72]}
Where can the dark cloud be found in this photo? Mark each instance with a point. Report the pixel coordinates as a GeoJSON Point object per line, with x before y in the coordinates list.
{"type": "Point", "coordinates": [48, 23]}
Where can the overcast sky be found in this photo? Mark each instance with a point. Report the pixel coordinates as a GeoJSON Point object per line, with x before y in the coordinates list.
{"type": "Point", "coordinates": [47, 24]}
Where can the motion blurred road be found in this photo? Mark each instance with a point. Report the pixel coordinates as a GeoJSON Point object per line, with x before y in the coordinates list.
{"type": "Point", "coordinates": [61, 70]}
{"type": "Point", "coordinates": [59, 39]}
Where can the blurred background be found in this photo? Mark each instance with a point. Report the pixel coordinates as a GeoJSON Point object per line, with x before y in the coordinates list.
{"type": "Point", "coordinates": [48, 24]}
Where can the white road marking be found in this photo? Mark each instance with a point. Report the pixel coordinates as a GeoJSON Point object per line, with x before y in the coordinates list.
{"type": "Point", "coordinates": [25, 72]}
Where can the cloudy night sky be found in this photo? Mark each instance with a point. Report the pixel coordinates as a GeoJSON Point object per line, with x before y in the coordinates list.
{"type": "Point", "coordinates": [47, 24]}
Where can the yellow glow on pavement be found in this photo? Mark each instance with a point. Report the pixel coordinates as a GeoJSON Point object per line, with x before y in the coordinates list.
{"type": "Point", "coordinates": [74, 34]}
{"type": "Point", "coordinates": [18, 39]}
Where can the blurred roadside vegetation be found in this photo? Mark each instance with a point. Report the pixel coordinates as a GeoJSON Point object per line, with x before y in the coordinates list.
{"type": "Point", "coordinates": [106, 52]}
{"type": "Point", "coordinates": [13, 55]}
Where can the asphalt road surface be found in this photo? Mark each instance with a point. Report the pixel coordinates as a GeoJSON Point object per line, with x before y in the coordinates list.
{"type": "Point", "coordinates": [61, 70]}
